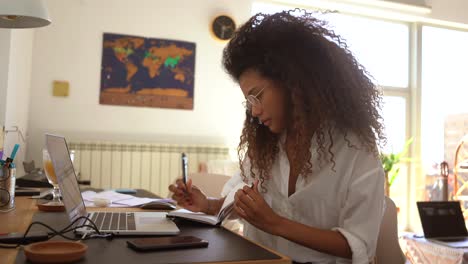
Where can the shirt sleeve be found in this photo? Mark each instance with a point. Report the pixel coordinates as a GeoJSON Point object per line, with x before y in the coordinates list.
{"type": "Point", "coordinates": [361, 215]}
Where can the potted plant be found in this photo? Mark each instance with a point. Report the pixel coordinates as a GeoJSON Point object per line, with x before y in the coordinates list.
{"type": "Point", "coordinates": [390, 162]}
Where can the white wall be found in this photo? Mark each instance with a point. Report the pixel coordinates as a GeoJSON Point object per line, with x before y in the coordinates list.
{"type": "Point", "coordinates": [16, 79]}
{"type": "Point", "coordinates": [19, 86]}
{"type": "Point", "coordinates": [71, 48]}
{"type": "Point", "coordinates": [5, 37]}
{"type": "Point", "coordinates": [449, 10]}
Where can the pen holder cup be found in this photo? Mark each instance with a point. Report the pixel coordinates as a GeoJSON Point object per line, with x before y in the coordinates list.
{"type": "Point", "coordinates": [7, 189]}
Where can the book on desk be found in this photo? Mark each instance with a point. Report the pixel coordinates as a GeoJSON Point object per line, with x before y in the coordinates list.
{"type": "Point", "coordinates": [202, 217]}
{"type": "Point", "coordinates": [224, 212]}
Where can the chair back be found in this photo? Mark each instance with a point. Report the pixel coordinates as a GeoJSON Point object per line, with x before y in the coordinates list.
{"type": "Point", "coordinates": [388, 248]}
{"type": "Point", "coordinates": [211, 184]}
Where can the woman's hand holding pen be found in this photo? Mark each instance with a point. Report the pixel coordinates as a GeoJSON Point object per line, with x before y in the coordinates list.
{"type": "Point", "coordinates": [189, 196]}
{"type": "Point", "coordinates": [250, 205]}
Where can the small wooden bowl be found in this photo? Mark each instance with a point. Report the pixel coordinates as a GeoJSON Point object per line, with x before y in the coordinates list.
{"type": "Point", "coordinates": [50, 208]}
{"type": "Point", "coordinates": [55, 251]}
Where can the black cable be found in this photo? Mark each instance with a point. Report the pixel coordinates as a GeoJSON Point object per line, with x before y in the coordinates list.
{"type": "Point", "coordinates": [94, 227]}
{"type": "Point", "coordinates": [61, 233]}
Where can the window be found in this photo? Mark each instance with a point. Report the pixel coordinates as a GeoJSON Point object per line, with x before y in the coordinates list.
{"type": "Point", "coordinates": [394, 113]}
{"type": "Point", "coordinates": [444, 96]}
{"type": "Point", "coordinates": [381, 46]}
{"type": "Point", "coordinates": [444, 88]}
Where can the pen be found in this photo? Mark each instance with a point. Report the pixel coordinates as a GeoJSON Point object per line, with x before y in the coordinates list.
{"type": "Point", "coordinates": [184, 168]}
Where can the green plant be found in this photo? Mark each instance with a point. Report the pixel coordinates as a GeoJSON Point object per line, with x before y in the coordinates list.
{"type": "Point", "coordinates": [390, 161]}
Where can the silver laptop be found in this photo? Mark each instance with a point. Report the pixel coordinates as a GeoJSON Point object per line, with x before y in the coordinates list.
{"type": "Point", "coordinates": [443, 223]}
{"type": "Point", "coordinates": [118, 223]}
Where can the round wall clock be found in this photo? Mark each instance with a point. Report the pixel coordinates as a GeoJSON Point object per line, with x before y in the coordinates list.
{"type": "Point", "coordinates": [223, 27]}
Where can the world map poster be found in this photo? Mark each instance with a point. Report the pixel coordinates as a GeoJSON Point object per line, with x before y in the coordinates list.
{"type": "Point", "coordinates": [151, 72]}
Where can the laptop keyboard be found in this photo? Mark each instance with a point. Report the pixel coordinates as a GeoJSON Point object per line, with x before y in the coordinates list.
{"type": "Point", "coordinates": [113, 221]}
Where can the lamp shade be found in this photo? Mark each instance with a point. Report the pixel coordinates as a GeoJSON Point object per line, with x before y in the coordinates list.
{"type": "Point", "coordinates": [23, 14]}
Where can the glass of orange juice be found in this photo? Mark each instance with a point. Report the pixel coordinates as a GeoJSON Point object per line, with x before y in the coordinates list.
{"type": "Point", "coordinates": [51, 177]}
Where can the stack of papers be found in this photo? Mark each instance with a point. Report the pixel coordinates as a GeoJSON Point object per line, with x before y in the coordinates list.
{"type": "Point", "coordinates": [118, 199]}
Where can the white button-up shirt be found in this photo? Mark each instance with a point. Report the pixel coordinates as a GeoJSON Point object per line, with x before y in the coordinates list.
{"type": "Point", "coordinates": [348, 198]}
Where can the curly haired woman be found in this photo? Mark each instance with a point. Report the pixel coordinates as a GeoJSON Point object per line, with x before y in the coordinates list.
{"type": "Point", "coordinates": [309, 143]}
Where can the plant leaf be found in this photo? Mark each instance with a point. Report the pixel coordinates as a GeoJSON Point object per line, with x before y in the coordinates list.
{"type": "Point", "coordinates": [389, 161]}
{"type": "Point", "coordinates": [393, 176]}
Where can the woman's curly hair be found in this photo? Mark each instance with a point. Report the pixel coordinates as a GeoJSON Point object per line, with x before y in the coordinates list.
{"type": "Point", "coordinates": [325, 87]}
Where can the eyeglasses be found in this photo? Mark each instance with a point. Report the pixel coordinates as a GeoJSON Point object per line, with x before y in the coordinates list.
{"type": "Point", "coordinates": [252, 100]}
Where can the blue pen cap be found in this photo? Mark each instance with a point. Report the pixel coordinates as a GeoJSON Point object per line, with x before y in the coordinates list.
{"type": "Point", "coordinates": [15, 150]}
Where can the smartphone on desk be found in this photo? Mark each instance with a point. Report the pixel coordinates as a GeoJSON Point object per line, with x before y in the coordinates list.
{"type": "Point", "coordinates": [163, 243]}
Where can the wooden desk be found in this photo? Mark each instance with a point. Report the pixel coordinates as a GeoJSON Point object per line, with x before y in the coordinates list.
{"type": "Point", "coordinates": [16, 221]}
{"type": "Point", "coordinates": [20, 218]}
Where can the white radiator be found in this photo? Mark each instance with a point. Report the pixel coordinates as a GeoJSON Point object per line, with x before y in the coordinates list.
{"type": "Point", "coordinates": [137, 165]}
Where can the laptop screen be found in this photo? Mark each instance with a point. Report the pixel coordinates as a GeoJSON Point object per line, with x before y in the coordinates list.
{"type": "Point", "coordinates": [63, 166]}
{"type": "Point", "coordinates": [442, 219]}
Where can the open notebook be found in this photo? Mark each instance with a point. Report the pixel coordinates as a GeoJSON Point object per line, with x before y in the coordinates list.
{"type": "Point", "coordinates": [226, 209]}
